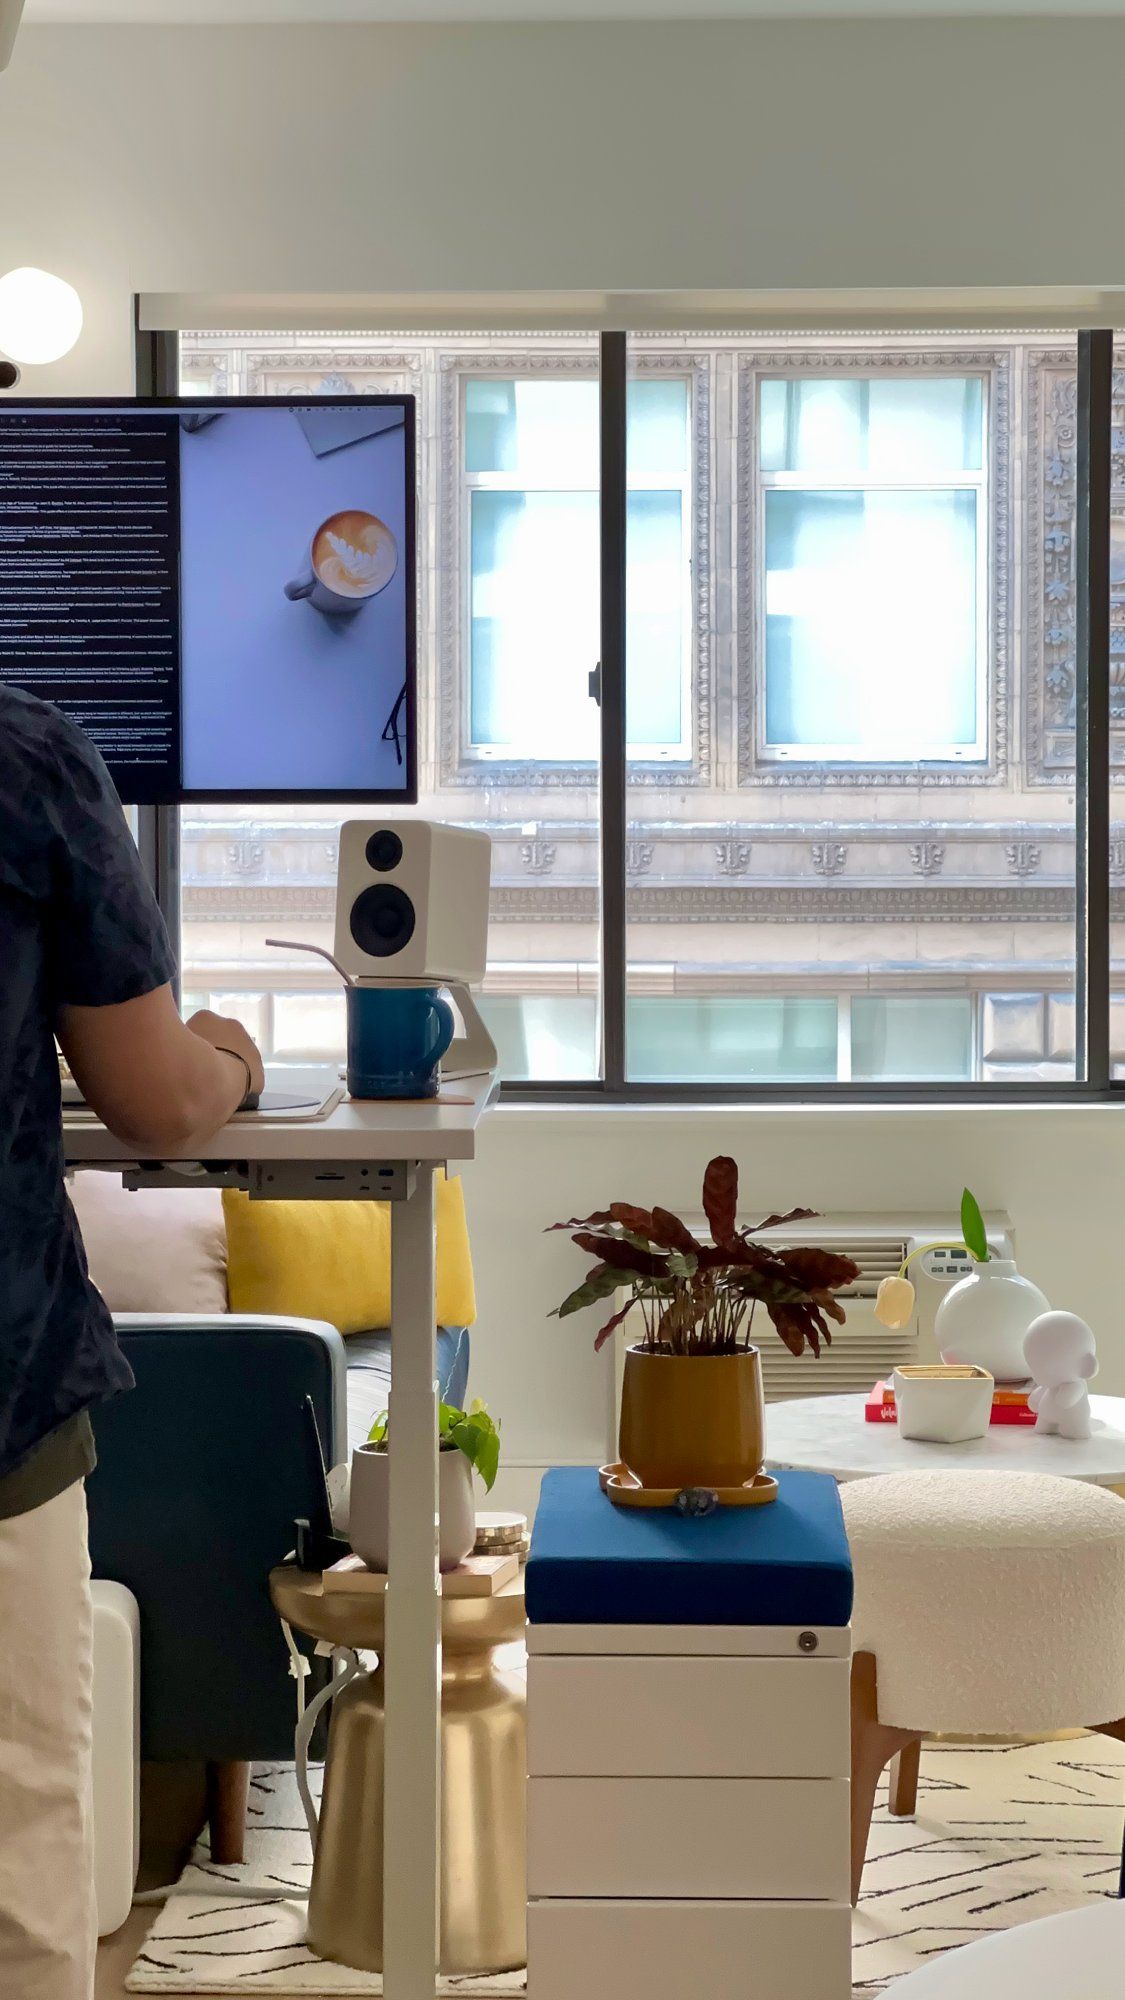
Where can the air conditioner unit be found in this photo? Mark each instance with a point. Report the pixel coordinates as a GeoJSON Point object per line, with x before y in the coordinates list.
{"type": "Point", "coordinates": [863, 1351]}
{"type": "Point", "coordinates": [10, 11]}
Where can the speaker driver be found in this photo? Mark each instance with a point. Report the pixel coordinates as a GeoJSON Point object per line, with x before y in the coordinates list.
{"type": "Point", "coordinates": [383, 851]}
{"type": "Point", "coordinates": [382, 920]}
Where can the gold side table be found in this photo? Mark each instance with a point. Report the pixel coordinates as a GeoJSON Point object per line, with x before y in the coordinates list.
{"type": "Point", "coordinates": [483, 1781]}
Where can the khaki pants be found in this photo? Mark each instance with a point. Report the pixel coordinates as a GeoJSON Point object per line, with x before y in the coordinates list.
{"type": "Point", "coordinates": [48, 1926]}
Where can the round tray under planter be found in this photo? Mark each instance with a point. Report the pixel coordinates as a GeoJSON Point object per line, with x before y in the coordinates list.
{"type": "Point", "coordinates": [623, 1487]}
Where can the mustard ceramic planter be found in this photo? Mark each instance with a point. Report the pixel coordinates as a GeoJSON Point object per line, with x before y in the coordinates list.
{"type": "Point", "coordinates": [692, 1420]}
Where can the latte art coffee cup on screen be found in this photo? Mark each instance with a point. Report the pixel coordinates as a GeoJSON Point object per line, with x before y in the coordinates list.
{"type": "Point", "coordinates": [352, 556]}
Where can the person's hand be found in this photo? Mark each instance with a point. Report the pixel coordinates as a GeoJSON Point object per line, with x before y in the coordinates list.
{"type": "Point", "coordinates": [224, 1033]}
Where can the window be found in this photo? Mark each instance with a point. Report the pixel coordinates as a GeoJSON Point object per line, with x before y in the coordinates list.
{"type": "Point", "coordinates": [875, 575]}
{"type": "Point", "coordinates": [850, 707]}
{"type": "Point", "coordinates": [530, 532]}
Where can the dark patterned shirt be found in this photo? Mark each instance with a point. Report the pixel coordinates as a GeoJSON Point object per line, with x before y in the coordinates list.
{"type": "Point", "coordinates": [78, 926]}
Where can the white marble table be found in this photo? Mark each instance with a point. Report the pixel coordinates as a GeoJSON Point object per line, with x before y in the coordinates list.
{"type": "Point", "coordinates": [830, 1434]}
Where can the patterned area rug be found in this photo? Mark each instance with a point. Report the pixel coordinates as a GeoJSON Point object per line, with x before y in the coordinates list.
{"type": "Point", "coordinates": [207, 1940]}
{"type": "Point", "coordinates": [1001, 1836]}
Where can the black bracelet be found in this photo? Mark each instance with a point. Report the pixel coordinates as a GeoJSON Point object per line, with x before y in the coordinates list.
{"type": "Point", "coordinates": [222, 1050]}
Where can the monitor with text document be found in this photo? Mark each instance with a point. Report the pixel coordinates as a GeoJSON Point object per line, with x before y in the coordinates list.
{"type": "Point", "coordinates": [221, 592]}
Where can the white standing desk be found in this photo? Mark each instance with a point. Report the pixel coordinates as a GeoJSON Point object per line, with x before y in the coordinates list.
{"type": "Point", "coordinates": [383, 1152]}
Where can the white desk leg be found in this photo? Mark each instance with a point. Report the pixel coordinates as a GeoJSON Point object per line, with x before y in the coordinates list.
{"type": "Point", "coordinates": [412, 1765]}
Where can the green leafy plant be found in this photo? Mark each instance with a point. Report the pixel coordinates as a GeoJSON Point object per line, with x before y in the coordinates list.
{"type": "Point", "coordinates": [471, 1431]}
{"type": "Point", "coordinates": [972, 1228]}
{"type": "Point", "coordinates": [699, 1297]}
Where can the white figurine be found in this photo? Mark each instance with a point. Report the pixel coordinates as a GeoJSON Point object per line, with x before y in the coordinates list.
{"type": "Point", "coordinates": [1061, 1358]}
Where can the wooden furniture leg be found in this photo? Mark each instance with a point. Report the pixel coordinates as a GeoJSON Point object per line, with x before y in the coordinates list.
{"type": "Point", "coordinates": [228, 1796]}
{"type": "Point", "coordinates": [874, 1743]}
{"type": "Point", "coordinates": [904, 1781]}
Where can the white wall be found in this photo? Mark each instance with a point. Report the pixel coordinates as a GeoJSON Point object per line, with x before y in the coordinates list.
{"type": "Point", "coordinates": [606, 157]}
{"type": "Point", "coordinates": [771, 155]}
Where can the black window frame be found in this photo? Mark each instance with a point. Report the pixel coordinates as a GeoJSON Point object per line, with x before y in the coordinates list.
{"type": "Point", "coordinates": [157, 368]}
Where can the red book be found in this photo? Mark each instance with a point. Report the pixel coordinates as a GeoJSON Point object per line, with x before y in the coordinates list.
{"type": "Point", "coordinates": [1009, 1406]}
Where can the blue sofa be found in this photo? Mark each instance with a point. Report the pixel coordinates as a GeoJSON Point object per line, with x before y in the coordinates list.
{"type": "Point", "coordinates": [201, 1472]}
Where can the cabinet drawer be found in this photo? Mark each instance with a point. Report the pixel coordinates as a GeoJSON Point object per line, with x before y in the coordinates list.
{"type": "Point", "coordinates": [688, 1951]}
{"type": "Point", "coordinates": [594, 1717]}
{"type": "Point", "coordinates": [783, 1838]}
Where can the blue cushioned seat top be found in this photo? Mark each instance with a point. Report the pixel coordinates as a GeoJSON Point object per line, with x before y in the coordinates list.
{"type": "Point", "coordinates": [593, 1563]}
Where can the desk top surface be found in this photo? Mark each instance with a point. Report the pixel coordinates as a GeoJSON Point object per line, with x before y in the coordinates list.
{"type": "Point", "coordinates": [437, 1129]}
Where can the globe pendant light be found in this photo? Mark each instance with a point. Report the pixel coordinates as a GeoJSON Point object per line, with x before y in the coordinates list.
{"type": "Point", "coordinates": [40, 315]}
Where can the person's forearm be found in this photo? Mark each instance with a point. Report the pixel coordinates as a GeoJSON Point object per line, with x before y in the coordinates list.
{"type": "Point", "coordinates": [214, 1085]}
{"type": "Point", "coordinates": [154, 1083]}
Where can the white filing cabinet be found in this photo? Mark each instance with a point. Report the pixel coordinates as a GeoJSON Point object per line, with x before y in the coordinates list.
{"type": "Point", "coordinates": [688, 1812]}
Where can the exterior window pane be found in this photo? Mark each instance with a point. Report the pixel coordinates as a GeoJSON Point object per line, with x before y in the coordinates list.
{"type": "Point", "coordinates": [531, 553]}
{"type": "Point", "coordinates": [870, 832]}
{"type": "Point", "coordinates": [552, 1036]}
{"type": "Point", "coordinates": [871, 621]}
{"type": "Point", "coordinates": [658, 435]}
{"type": "Point", "coordinates": [913, 430]}
{"type": "Point", "coordinates": [530, 463]}
{"type": "Point", "coordinates": [658, 614]}
{"type": "Point", "coordinates": [911, 1037]}
{"type": "Point", "coordinates": [774, 1039]}
{"type": "Point", "coordinates": [544, 430]}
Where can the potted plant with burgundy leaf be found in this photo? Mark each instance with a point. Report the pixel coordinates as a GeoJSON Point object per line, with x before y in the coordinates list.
{"type": "Point", "coordinates": [692, 1406]}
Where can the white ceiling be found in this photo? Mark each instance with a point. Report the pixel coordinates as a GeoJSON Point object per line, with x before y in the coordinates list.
{"type": "Point", "coordinates": [206, 12]}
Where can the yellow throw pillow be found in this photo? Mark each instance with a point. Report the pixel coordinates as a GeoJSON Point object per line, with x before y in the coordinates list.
{"type": "Point", "coordinates": [332, 1259]}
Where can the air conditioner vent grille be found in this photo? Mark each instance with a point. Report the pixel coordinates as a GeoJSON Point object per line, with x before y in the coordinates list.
{"type": "Point", "coordinates": [857, 1358]}
{"type": "Point", "coordinates": [878, 1258]}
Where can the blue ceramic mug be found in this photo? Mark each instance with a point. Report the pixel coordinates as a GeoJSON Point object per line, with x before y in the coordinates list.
{"type": "Point", "coordinates": [397, 1036]}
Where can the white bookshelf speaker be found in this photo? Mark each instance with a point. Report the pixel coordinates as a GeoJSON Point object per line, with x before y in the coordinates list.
{"type": "Point", "coordinates": [412, 903]}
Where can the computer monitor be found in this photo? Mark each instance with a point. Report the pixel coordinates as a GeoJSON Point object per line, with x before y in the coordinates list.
{"type": "Point", "coordinates": [220, 591]}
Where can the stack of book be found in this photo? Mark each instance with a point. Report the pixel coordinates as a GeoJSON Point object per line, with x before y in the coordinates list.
{"type": "Point", "coordinates": [1010, 1404]}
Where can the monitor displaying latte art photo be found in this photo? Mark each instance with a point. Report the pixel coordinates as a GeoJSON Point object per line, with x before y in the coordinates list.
{"type": "Point", "coordinates": [221, 593]}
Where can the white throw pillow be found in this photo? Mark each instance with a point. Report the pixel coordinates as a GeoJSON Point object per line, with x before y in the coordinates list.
{"type": "Point", "coordinates": [155, 1250]}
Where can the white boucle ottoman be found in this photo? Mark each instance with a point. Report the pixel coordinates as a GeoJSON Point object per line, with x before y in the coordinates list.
{"type": "Point", "coordinates": [986, 1603]}
{"type": "Point", "coordinates": [994, 1602]}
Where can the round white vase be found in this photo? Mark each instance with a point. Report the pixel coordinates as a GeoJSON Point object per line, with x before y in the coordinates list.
{"type": "Point", "coordinates": [985, 1316]}
{"type": "Point", "coordinates": [368, 1518]}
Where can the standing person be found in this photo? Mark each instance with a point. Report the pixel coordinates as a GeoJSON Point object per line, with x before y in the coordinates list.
{"type": "Point", "coordinates": [84, 957]}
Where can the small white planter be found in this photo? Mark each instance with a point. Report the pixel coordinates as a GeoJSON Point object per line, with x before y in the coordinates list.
{"type": "Point", "coordinates": [368, 1521]}
{"type": "Point", "coordinates": [984, 1318]}
{"type": "Point", "coordinates": [942, 1409]}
